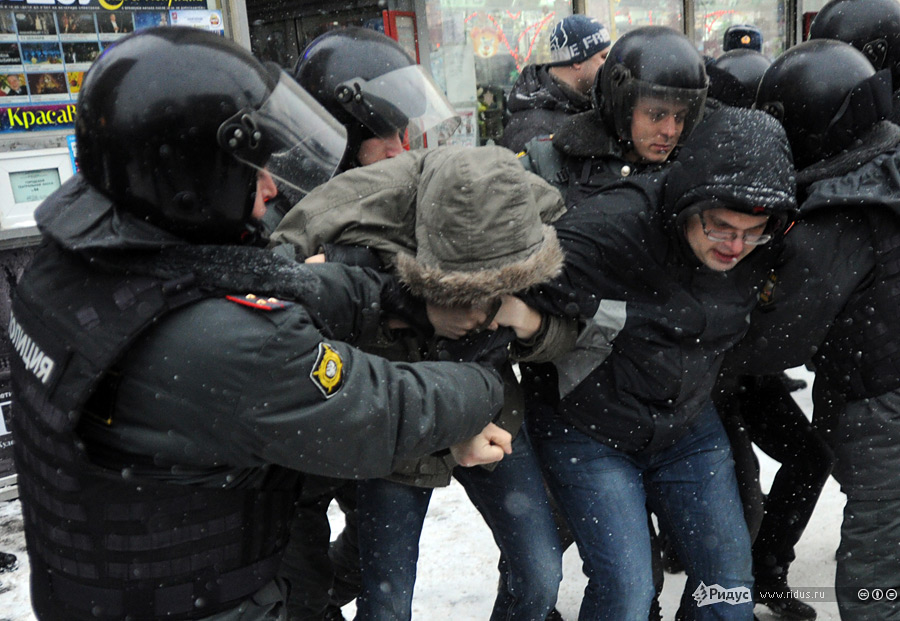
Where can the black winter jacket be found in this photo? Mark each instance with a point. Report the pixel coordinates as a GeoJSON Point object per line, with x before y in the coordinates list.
{"type": "Point", "coordinates": [538, 104]}
{"type": "Point", "coordinates": [223, 394]}
{"type": "Point", "coordinates": [833, 261]}
{"type": "Point", "coordinates": [667, 319]}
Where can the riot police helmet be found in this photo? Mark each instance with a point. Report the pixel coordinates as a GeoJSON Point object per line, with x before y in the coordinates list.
{"type": "Point", "coordinates": [174, 125]}
{"type": "Point", "coordinates": [871, 26]}
{"type": "Point", "coordinates": [653, 62]}
{"type": "Point", "coordinates": [734, 76]}
{"type": "Point", "coordinates": [373, 87]}
{"type": "Point", "coordinates": [825, 93]}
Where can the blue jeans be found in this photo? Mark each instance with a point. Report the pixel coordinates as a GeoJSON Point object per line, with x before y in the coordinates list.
{"type": "Point", "coordinates": [513, 503]}
{"type": "Point", "coordinates": [604, 494]}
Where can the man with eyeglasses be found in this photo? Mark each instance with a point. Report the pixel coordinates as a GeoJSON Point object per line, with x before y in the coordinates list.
{"type": "Point", "coordinates": [663, 270]}
{"type": "Point", "coordinates": [721, 237]}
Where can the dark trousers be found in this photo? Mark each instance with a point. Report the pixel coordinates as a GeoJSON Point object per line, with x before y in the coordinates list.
{"type": "Point", "coordinates": [321, 574]}
{"type": "Point", "coordinates": [761, 411]}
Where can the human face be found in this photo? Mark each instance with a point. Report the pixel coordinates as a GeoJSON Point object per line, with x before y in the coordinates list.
{"type": "Point", "coordinates": [265, 190]}
{"type": "Point", "coordinates": [379, 148]}
{"type": "Point", "coordinates": [721, 256]}
{"type": "Point", "coordinates": [13, 81]}
{"type": "Point", "coordinates": [656, 126]}
{"type": "Point", "coordinates": [589, 69]}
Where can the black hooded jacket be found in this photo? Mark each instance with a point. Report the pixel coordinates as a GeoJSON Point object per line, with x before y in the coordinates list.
{"type": "Point", "coordinates": [834, 260]}
{"type": "Point", "coordinates": [538, 105]}
{"type": "Point", "coordinates": [658, 320]}
{"type": "Point", "coordinates": [835, 306]}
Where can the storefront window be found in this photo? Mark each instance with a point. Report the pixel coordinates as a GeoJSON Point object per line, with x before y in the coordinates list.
{"type": "Point", "coordinates": [479, 47]}
{"type": "Point", "coordinates": [715, 16]}
{"type": "Point", "coordinates": [621, 17]}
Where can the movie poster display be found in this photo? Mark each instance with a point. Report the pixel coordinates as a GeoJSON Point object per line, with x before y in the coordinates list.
{"type": "Point", "coordinates": [47, 46]}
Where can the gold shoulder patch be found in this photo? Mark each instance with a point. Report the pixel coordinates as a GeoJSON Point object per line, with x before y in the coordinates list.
{"type": "Point", "coordinates": [328, 371]}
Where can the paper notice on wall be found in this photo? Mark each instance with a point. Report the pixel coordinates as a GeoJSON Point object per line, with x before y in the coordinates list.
{"type": "Point", "coordinates": [458, 64]}
{"type": "Point", "coordinates": [204, 20]}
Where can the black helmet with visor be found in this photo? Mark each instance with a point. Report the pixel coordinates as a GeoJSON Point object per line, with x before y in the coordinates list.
{"type": "Point", "coordinates": [655, 63]}
{"type": "Point", "coordinates": [372, 86]}
{"type": "Point", "coordinates": [174, 125]}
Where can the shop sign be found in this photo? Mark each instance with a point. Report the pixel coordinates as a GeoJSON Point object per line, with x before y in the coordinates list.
{"type": "Point", "coordinates": [108, 5]}
{"type": "Point", "coordinates": [30, 118]}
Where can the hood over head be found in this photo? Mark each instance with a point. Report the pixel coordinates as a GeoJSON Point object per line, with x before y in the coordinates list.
{"type": "Point", "coordinates": [480, 229]}
{"type": "Point", "coordinates": [736, 159]}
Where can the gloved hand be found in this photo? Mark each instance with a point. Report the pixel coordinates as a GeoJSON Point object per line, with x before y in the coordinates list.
{"type": "Point", "coordinates": [397, 301]}
{"type": "Point", "coordinates": [487, 347]}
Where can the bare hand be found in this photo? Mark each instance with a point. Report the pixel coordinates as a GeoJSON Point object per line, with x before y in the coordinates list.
{"type": "Point", "coordinates": [487, 447]}
{"type": "Point", "coordinates": [316, 258]}
{"type": "Point", "coordinates": [454, 321]}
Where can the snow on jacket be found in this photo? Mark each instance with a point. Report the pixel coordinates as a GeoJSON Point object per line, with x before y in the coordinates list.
{"type": "Point", "coordinates": [538, 104]}
{"type": "Point", "coordinates": [460, 226]}
{"type": "Point", "coordinates": [663, 321]}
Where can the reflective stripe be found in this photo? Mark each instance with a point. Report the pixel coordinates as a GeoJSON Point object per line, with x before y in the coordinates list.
{"type": "Point", "coordinates": [593, 346]}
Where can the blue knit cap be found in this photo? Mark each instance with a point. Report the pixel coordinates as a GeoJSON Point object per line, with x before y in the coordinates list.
{"type": "Point", "coordinates": [577, 38]}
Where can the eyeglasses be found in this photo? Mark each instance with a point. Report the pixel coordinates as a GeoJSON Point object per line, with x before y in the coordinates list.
{"type": "Point", "coordinates": [718, 235]}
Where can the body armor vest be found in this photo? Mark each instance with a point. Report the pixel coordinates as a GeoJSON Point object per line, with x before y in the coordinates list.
{"type": "Point", "coordinates": [861, 355]}
{"type": "Point", "coordinates": [104, 544]}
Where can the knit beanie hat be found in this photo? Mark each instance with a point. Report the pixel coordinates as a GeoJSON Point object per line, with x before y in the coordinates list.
{"type": "Point", "coordinates": [575, 39]}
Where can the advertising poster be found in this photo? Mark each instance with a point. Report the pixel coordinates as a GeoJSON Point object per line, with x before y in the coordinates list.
{"type": "Point", "coordinates": [13, 85]}
{"type": "Point", "coordinates": [10, 54]}
{"type": "Point", "coordinates": [113, 24]}
{"type": "Point", "coordinates": [45, 52]}
{"type": "Point", "coordinates": [205, 20]}
{"type": "Point", "coordinates": [73, 152]}
{"type": "Point", "coordinates": [41, 53]}
{"type": "Point", "coordinates": [75, 24]}
{"type": "Point", "coordinates": [35, 24]}
{"type": "Point", "coordinates": [28, 118]}
{"type": "Point", "coordinates": [467, 133]}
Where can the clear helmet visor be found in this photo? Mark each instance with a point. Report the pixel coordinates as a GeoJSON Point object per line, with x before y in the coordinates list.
{"type": "Point", "coordinates": [291, 136]}
{"type": "Point", "coordinates": [683, 104]}
{"type": "Point", "coordinates": [405, 101]}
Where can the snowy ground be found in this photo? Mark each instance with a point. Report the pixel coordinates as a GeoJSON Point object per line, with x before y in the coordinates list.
{"type": "Point", "coordinates": [457, 569]}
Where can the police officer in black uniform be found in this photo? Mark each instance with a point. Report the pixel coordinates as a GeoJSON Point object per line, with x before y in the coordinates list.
{"type": "Point", "coordinates": [170, 385]}
{"type": "Point", "coordinates": [872, 27]}
{"type": "Point", "coordinates": [648, 97]}
{"type": "Point", "coordinates": [835, 299]}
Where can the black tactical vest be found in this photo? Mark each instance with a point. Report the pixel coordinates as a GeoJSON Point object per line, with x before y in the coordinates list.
{"type": "Point", "coordinates": [104, 544]}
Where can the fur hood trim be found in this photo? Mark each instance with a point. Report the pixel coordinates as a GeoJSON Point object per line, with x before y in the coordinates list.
{"type": "Point", "coordinates": [461, 288]}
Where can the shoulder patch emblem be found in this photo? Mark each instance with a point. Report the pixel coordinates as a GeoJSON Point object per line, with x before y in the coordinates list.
{"type": "Point", "coordinates": [328, 371]}
{"type": "Point", "coordinates": [253, 301]}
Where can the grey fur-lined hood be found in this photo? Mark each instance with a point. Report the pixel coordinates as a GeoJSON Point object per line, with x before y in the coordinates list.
{"type": "Point", "coordinates": [480, 229]}
{"type": "Point", "coordinates": [462, 225]}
